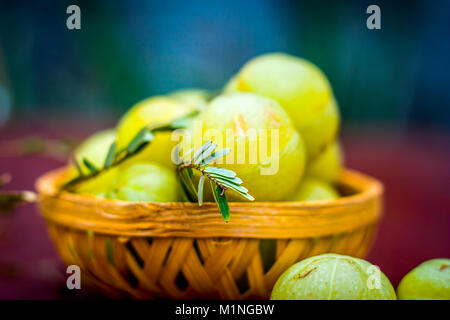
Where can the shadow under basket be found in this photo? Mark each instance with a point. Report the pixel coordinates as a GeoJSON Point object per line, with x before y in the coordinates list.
{"type": "Point", "coordinates": [183, 251]}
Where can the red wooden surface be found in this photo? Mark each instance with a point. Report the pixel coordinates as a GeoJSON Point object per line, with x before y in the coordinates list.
{"type": "Point", "coordinates": [414, 167]}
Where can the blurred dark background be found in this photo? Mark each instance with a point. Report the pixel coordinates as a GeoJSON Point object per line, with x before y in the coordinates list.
{"type": "Point", "coordinates": [128, 50]}
{"type": "Point", "coordinates": [392, 85]}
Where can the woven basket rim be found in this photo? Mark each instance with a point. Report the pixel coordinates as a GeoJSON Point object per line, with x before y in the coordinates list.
{"type": "Point", "coordinates": [186, 219]}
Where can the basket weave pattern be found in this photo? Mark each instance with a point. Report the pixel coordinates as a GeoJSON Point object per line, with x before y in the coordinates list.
{"type": "Point", "coordinates": [181, 251]}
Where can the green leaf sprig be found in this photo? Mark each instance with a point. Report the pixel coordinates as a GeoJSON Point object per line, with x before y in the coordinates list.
{"type": "Point", "coordinates": [114, 158]}
{"type": "Point", "coordinates": [220, 179]}
{"type": "Point", "coordinates": [10, 199]}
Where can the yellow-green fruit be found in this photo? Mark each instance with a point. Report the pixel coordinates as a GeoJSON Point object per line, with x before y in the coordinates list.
{"type": "Point", "coordinates": [328, 164]}
{"type": "Point", "coordinates": [302, 90]}
{"type": "Point", "coordinates": [333, 277]}
{"type": "Point", "coordinates": [152, 112]}
{"type": "Point", "coordinates": [321, 131]}
{"type": "Point", "coordinates": [94, 148]}
{"type": "Point", "coordinates": [312, 189]}
{"type": "Point", "coordinates": [146, 181]}
{"type": "Point", "coordinates": [194, 98]}
{"type": "Point", "coordinates": [430, 281]}
{"type": "Point", "coordinates": [266, 151]}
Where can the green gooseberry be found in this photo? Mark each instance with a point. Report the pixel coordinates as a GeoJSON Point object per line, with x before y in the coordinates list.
{"type": "Point", "coordinates": [312, 189]}
{"type": "Point", "coordinates": [333, 277]}
{"type": "Point", "coordinates": [266, 151]}
{"type": "Point", "coordinates": [194, 98]}
{"type": "Point", "coordinates": [430, 280]}
{"type": "Point", "coordinates": [152, 112]}
{"type": "Point", "coordinates": [146, 181]}
{"type": "Point", "coordinates": [94, 148]}
{"type": "Point", "coordinates": [327, 165]}
{"type": "Point", "coordinates": [300, 87]}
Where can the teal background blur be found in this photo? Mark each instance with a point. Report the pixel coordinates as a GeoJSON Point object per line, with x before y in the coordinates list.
{"type": "Point", "coordinates": [128, 50]}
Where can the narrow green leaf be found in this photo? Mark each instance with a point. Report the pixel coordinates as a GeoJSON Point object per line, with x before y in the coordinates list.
{"type": "Point", "coordinates": [200, 190]}
{"type": "Point", "coordinates": [222, 202]}
{"type": "Point", "coordinates": [187, 181]}
{"type": "Point", "coordinates": [185, 190]}
{"type": "Point", "coordinates": [181, 123]}
{"type": "Point", "coordinates": [72, 181]}
{"type": "Point", "coordinates": [215, 156]}
{"type": "Point", "coordinates": [213, 190]}
{"type": "Point", "coordinates": [10, 199]}
{"type": "Point", "coordinates": [111, 155]}
{"type": "Point", "coordinates": [187, 153]}
{"type": "Point", "coordinates": [221, 172]}
{"type": "Point", "coordinates": [200, 150]}
{"type": "Point", "coordinates": [206, 153]}
{"type": "Point", "coordinates": [144, 136]}
{"type": "Point", "coordinates": [77, 165]}
{"type": "Point", "coordinates": [235, 180]}
{"type": "Point", "coordinates": [184, 121]}
{"type": "Point", "coordinates": [190, 172]}
{"type": "Point", "coordinates": [245, 195]}
{"type": "Point", "coordinates": [90, 166]}
{"type": "Point", "coordinates": [232, 185]}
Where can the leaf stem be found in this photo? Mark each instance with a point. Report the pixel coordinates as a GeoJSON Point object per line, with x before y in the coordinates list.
{"type": "Point", "coordinates": [203, 172]}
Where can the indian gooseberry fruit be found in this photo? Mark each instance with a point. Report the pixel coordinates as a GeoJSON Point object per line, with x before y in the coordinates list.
{"type": "Point", "coordinates": [94, 148]}
{"type": "Point", "coordinates": [430, 280]}
{"type": "Point", "coordinates": [152, 112]}
{"type": "Point", "coordinates": [302, 90]}
{"type": "Point", "coordinates": [146, 181]}
{"type": "Point", "coordinates": [333, 277]}
{"type": "Point", "coordinates": [194, 98]}
{"type": "Point", "coordinates": [321, 131]}
{"type": "Point", "coordinates": [266, 151]}
{"type": "Point", "coordinates": [327, 165]}
{"type": "Point", "coordinates": [312, 189]}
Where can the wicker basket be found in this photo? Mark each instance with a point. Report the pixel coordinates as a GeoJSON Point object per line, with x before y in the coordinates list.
{"type": "Point", "coordinates": [181, 251]}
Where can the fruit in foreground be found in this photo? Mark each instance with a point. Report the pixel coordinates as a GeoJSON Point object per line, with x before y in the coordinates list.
{"type": "Point", "coordinates": [146, 181]}
{"type": "Point", "coordinates": [152, 112]}
{"type": "Point", "coordinates": [327, 165]}
{"type": "Point", "coordinates": [429, 280]}
{"type": "Point", "coordinates": [266, 151]}
{"type": "Point", "coordinates": [302, 90]}
{"type": "Point", "coordinates": [311, 189]}
{"type": "Point", "coordinates": [333, 277]}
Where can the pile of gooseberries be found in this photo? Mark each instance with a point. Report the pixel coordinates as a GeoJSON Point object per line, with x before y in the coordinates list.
{"type": "Point", "coordinates": [277, 116]}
